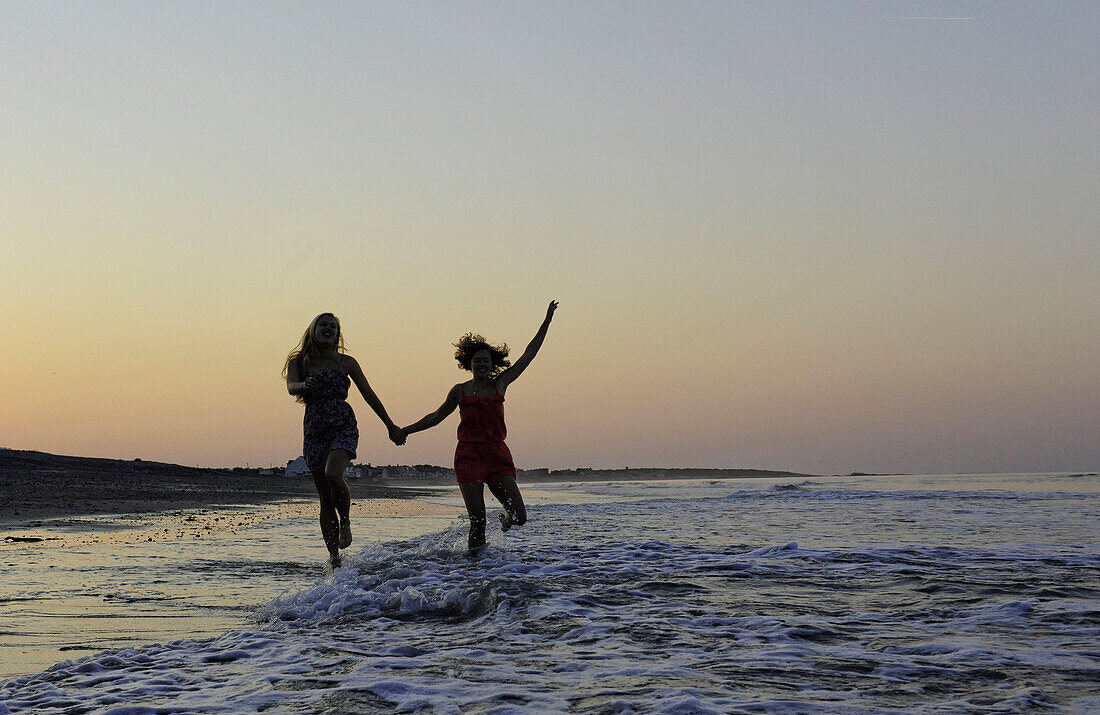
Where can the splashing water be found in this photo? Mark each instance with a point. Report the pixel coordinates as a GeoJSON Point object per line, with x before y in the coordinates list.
{"type": "Point", "coordinates": [682, 597]}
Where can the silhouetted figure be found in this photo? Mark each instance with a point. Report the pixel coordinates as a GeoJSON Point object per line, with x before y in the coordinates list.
{"type": "Point", "coordinates": [481, 456]}
{"type": "Point", "coordinates": [318, 372]}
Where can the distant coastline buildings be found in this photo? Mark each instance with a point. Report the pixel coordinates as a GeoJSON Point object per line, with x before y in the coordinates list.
{"type": "Point", "coordinates": [428, 473]}
{"type": "Point", "coordinates": [296, 468]}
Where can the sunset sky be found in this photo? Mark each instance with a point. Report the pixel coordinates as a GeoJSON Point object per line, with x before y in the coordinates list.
{"type": "Point", "coordinates": [820, 237]}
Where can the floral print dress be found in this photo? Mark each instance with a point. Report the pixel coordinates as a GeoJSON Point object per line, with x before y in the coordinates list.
{"type": "Point", "coordinates": [329, 422]}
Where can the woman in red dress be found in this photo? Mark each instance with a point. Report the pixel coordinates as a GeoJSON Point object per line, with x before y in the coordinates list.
{"type": "Point", "coordinates": [481, 457]}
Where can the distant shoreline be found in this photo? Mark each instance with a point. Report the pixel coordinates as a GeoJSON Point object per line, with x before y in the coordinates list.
{"type": "Point", "coordinates": [35, 486]}
{"type": "Point", "coordinates": [628, 474]}
{"type": "Point", "coordinates": [34, 462]}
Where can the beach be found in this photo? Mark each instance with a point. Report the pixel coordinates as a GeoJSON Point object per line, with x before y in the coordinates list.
{"type": "Point", "coordinates": [70, 525]}
{"type": "Point", "coordinates": [921, 593]}
{"type": "Point", "coordinates": [787, 306]}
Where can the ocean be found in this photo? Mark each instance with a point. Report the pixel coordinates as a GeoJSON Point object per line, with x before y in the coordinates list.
{"type": "Point", "coordinates": [935, 593]}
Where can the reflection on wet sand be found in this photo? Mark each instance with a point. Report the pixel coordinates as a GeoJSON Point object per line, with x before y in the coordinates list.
{"type": "Point", "coordinates": [77, 585]}
{"type": "Point", "coordinates": [192, 523]}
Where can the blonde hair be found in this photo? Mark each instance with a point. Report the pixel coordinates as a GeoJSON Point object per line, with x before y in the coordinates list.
{"type": "Point", "coordinates": [306, 351]}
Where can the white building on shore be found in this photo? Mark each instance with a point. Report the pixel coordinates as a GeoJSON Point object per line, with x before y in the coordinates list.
{"type": "Point", "coordinates": [297, 468]}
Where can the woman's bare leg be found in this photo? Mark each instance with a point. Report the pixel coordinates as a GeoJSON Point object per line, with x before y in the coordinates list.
{"type": "Point", "coordinates": [337, 463]}
{"type": "Point", "coordinates": [330, 524]}
{"type": "Point", "coordinates": [474, 496]}
{"type": "Point", "coordinates": [507, 493]}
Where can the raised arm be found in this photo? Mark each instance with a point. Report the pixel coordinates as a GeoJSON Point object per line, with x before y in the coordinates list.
{"type": "Point", "coordinates": [433, 418]}
{"type": "Point", "coordinates": [360, 380]}
{"type": "Point", "coordinates": [509, 376]}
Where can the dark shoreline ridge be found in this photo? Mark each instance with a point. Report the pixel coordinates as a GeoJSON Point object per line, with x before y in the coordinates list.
{"type": "Point", "coordinates": [36, 485]}
{"type": "Point", "coordinates": [21, 463]}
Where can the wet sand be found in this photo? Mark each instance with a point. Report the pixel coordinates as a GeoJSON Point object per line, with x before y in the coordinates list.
{"type": "Point", "coordinates": [75, 585]}
{"type": "Point", "coordinates": [190, 524]}
{"type": "Point", "coordinates": [108, 554]}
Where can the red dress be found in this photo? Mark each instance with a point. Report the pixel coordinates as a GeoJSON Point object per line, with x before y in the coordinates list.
{"type": "Point", "coordinates": [481, 455]}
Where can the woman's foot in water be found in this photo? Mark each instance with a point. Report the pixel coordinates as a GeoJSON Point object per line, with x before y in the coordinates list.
{"type": "Point", "coordinates": [345, 533]}
{"type": "Point", "coordinates": [475, 544]}
{"type": "Point", "coordinates": [335, 561]}
{"type": "Point", "coordinates": [505, 521]}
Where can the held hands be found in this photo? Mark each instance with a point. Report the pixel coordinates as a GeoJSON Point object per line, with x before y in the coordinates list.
{"type": "Point", "coordinates": [397, 435]}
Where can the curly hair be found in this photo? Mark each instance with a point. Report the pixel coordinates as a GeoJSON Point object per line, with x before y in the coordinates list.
{"type": "Point", "coordinates": [470, 343]}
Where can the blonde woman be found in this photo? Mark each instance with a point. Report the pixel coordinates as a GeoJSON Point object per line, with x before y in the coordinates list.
{"type": "Point", "coordinates": [318, 373]}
